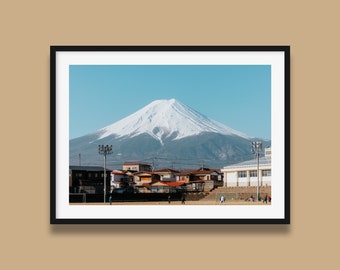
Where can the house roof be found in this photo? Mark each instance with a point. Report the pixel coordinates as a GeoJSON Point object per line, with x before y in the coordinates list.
{"type": "Point", "coordinates": [159, 183]}
{"type": "Point", "coordinates": [167, 170]}
{"type": "Point", "coordinates": [135, 163]}
{"type": "Point", "coordinates": [175, 184]}
{"type": "Point", "coordinates": [143, 173]}
{"type": "Point", "coordinates": [263, 161]}
{"type": "Point", "coordinates": [168, 183]}
{"type": "Point", "coordinates": [198, 172]}
{"type": "Point", "coordinates": [118, 173]}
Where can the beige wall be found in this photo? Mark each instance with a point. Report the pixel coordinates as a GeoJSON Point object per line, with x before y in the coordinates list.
{"type": "Point", "coordinates": [28, 28]}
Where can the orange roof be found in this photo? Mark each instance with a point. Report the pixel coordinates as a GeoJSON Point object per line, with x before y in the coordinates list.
{"type": "Point", "coordinates": [143, 173]}
{"type": "Point", "coordinates": [175, 184]}
{"type": "Point", "coordinates": [158, 183]}
{"type": "Point", "coordinates": [171, 183]}
{"type": "Point", "coordinates": [117, 173]}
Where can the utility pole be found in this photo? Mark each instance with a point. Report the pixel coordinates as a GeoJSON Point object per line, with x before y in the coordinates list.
{"type": "Point", "coordinates": [79, 159]}
{"type": "Point", "coordinates": [153, 163]}
{"type": "Point", "coordinates": [256, 147]}
{"type": "Point", "coordinates": [105, 150]}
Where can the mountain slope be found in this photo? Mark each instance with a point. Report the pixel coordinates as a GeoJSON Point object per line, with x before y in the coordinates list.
{"type": "Point", "coordinates": [169, 132]}
{"type": "Point", "coordinates": [162, 119]}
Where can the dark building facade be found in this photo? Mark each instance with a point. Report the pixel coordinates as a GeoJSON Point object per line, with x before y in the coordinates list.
{"type": "Point", "coordinates": [88, 179]}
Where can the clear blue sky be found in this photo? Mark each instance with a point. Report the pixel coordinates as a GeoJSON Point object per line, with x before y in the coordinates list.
{"type": "Point", "coordinates": [238, 96]}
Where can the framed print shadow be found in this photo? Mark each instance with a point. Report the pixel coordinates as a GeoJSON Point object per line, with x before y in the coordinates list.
{"type": "Point", "coordinates": [170, 135]}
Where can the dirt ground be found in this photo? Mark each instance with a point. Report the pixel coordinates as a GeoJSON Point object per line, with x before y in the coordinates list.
{"type": "Point", "coordinates": [232, 202]}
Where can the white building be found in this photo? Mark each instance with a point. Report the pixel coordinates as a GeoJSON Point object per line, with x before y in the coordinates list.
{"type": "Point", "coordinates": [244, 174]}
{"type": "Point", "coordinates": [118, 178]}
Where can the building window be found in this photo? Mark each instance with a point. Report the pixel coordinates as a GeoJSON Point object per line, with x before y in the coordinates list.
{"type": "Point", "coordinates": [268, 152]}
{"type": "Point", "coordinates": [266, 172]}
{"type": "Point", "coordinates": [242, 174]}
{"type": "Point", "coordinates": [253, 173]}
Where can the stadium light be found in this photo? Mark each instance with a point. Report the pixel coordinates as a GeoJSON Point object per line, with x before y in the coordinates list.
{"type": "Point", "coordinates": [256, 147]}
{"type": "Point", "coordinates": [105, 150]}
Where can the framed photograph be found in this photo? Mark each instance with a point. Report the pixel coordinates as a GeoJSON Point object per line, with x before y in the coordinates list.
{"type": "Point", "coordinates": [170, 135]}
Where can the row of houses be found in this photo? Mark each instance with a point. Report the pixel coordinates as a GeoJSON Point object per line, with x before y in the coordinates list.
{"type": "Point", "coordinates": [166, 180]}
{"type": "Point", "coordinates": [139, 177]}
{"type": "Point", "coordinates": [89, 179]}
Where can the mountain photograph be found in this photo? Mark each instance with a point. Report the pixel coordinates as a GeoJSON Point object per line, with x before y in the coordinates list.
{"type": "Point", "coordinates": [170, 116]}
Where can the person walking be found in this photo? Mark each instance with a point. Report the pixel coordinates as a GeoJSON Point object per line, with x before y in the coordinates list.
{"type": "Point", "coordinates": [183, 198]}
{"type": "Point", "coordinates": [265, 200]}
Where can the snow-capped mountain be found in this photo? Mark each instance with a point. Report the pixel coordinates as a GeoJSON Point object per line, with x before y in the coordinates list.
{"type": "Point", "coordinates": [163, 119]}
{"type": "Point", "coordinates": [166, 130]}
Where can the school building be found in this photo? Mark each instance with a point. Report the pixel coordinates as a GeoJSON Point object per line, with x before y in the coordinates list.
{"type": "Point", "coordinates": [244, 174]}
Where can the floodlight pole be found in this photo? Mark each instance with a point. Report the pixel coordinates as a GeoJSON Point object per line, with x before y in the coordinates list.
{"type": "Point", "coordinates": [256, 148]}
{"type": "Point", "coordinates": [105, 150]}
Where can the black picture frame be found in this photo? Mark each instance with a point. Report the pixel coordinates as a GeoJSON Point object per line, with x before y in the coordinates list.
{"type": "Point", "coordinates": [58, 69]}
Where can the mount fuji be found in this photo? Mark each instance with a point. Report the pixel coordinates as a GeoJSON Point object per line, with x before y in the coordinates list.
{"type": "Point", "coordinates": [169, 132]}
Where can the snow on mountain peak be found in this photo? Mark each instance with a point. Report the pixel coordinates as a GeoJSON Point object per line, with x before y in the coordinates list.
{"type": "Point", "coordinates": [163, 119]}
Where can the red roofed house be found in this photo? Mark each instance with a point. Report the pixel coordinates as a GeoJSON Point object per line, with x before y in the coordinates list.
{"type": "Point", "coordinates": [201, 180]}
{"type": "Point", "coordinates": [165, 187]}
